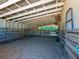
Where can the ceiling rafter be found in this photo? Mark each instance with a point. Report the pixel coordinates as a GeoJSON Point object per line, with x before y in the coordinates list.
{"type": "Point", "coordinates": [17, 5]}
{"type": "Point", "coordinates": [39, 17]}
{"type": "Point", "coordinates": [9, 9]}
{"type": "Point", "coordinates": [55, 10]}
{"type": "Point", "coordinates": [37, 10]}
{"type": "Point", "coordinates": [26, 7]}
{"type": "Point", "coordinates": [8, 3]}
{"type": "Point", "coordinates": [28, 2]}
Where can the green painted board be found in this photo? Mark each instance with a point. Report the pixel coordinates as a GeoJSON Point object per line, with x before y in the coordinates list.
{"type": "Point", "coordinates": [49, 28]}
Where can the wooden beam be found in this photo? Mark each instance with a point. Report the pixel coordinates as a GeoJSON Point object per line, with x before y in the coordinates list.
{"type": "Point", "coordinates": [26, 7]}
{"type": "Point", "coordinates": [46, 12]}
{"type": "Point", "coordinates": [8, 3]}
{"type": "Point", "coordinates": [38, 17]}
{"type": "Point", "coordinates": [37, 10]}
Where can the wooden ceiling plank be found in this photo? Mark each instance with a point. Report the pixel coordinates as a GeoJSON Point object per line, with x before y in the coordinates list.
{"type": "Point", "coordinates": [46, 12]}
{"type": "Point", "coordinates": [26, 7]}
{"type": "Point", "coordinates": [8, 3]}
{"type": "Point", "coordinates": [37, 10]}
{"type": "Point", "coordinates": [40, 17]}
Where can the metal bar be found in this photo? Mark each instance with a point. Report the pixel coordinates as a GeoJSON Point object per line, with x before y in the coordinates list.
{"type": "Point", "coordinates": [42, 30]}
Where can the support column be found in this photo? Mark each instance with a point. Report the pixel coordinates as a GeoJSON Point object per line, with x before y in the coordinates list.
{"type": "Point", "coordinates": [42, 30]}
